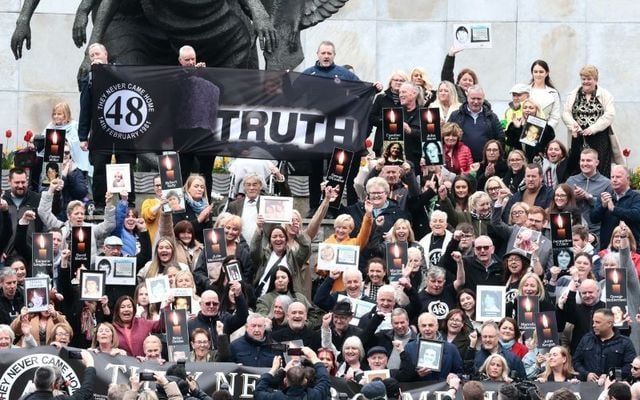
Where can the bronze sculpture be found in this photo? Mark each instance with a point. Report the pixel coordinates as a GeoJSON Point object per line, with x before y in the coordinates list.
{"type": "Point", "coordinates": [139, 32]}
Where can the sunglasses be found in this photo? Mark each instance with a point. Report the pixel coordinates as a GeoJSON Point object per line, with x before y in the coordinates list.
{"type": "Point", "coordinates": [211, 303]}
{"type": "Point", "coordinates": [483, 248]}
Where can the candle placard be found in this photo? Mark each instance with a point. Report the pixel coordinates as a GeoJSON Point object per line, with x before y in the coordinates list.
{"type": "Point", "coordinates": [561, 230]}
{"type": "Point", "coordinates": [215, 245]}
{"type": "Point", "coordinates": [393, 133]}
{"type": "Point", "coordinates": [41, 254]}
{"type": "Point", "coordinates": [547, 329]}
{"type": "Point", "coordinates": [171, 182]}
{"type": "Point", "coordinates": [54, 145]}
{"type": "Point", "coordinates": [339, 167]}
{"type": "Point", "coordinates": [528, 307]}
{"type": "Point", "coordinates": [80, 248]}
{"type": "Point", "coordinates": [397, 258]}
{"type": "Point", "coordinates": [616, 294]}
{"type": "Point", "coordinates": [176, 323]}
{"type": "Point", "coordinates": [431, 136]}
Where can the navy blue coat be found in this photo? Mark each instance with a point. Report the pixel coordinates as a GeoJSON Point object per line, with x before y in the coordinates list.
{"type": "Point", "coordinates": [626, 209]}
{"type": "Point", "coordinates": [451, 363]}
{"type": "Point", "coordinates": [320, 391]}
{"type": "Point", "coordinates": [597, 356]}
{"type": "Point", "coordinates": [248, 351]}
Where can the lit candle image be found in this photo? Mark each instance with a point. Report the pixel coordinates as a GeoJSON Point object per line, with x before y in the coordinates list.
{"type": "Point", "coordinates": [615, 279]}
{"type": "Point", "coordinates": [215, 246]}
{"type": "Point", "coordinates": [340, 164]}
{"type": "Point", "coordinates": [546, 331]}
{"type": "Point", "coordinates": [528, 314]}
{"type": "Point", "coordinates": [393, 127]}
{"type": "Point", "coordinates": [169, 173]}
{"type": "Point", "coordinates": [431, 127]}
{"type": "Point", "coordinates": [81, 244]}
{"type": "Point", "coordinates": [42, 251]}
{"type": "Point", "coordinates": [562, 232]}
{"type": "Point", "coordinates": [175, 328]}
{"type": "Point", "coordinates": [397, 260]}
{"type": "Point", "coordinates": [54, 143]}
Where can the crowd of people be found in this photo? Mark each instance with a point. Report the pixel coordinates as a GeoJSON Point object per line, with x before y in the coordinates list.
{"type": "Point", "coordinates": [464, 223]}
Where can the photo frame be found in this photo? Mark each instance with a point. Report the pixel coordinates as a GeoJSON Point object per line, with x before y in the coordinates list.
{"type": "Point", "coordinates": [275, 209]}
{"type": "Point", "coordinates": [233, 272]}
{"type": "Point", "coordinates": [490, 305]}
{"type": "Point", "coordinates": [332, 256]}
{"type": "Point", "coordinates": [381, 374]}
{"type": "Point", "coordinates": [92, 285]}
{"type": "Point", "coordinates": [158, 288]}
{"type": "Point", "coordinates": [472, 36]}
{"type": "Point", "coordinates": [430, 354]}
{"type": "Point", "coordinates": [118, 178]}
{"type": "Point", "coordinates": [119, 271]}
{"type": "Point", "coordinates": [525, 239]}
{"type": "Point", "coordinates": [36, 294]}
{"type": "Point", "coordinates": [182, 299]}
{"type": "Point", "coordinates": [533, 130]}
{"type": "Point", "coordinates": [359, 308]}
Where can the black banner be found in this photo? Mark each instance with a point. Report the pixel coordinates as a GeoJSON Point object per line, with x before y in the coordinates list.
{"type": "Point", "coordinates": [17, 367]}
{"type": "Point", "coordinates": [232, 112]}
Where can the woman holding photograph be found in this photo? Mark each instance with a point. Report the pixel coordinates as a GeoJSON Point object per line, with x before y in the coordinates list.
{"type": "Point", "coordinates": [456, 332]}
{"type": "Point", "coordinates": [144, 309]}
{"type": "Point", "coordinates": [555, 163]}
{"type": "Point", "coordinates": [41, 324]}
{"type": "Point", "coordinates": [542, 91]}
{"type": "Point", "coordinates": [387, 99]}
{"type": "Point", "coordinates": [558, 366]}
{"type": "Point", "coordinates": [589, 113]}
{"type": "Point", "coordinates": [515, 131]}
{"type": "Point", "coordinates": [197, 208]}
{"type": "Point", "coordinates": [106, 340]}
{"type": "Point", "coordinates": [184, 280]}
{"type": "Point", "coordinates": [466, 77]}
{"type": "Point", "coordinates": [581, 269]}
{"type": "Point", "coordinates": [281, 251]}
{"type": "Point", "coordinates": [132, 230]}
{"type": "Point", "coordinates": [132, 330]}
{"type": "Point", "coordinates": [496, 369]}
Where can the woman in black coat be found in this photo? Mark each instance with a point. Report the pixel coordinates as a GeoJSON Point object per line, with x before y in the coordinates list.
{"type": "Point", "coordinates": [387, 99]}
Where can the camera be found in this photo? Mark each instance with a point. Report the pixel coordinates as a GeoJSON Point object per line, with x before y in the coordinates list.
{"type": "Point", "coordinates": [147, 376]}
{"type": "Point", "coordinates": [279, 347]}
{"type": "Point", "coordinates": [75, 355]}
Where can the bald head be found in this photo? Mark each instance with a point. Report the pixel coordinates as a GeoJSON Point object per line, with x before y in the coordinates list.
{"type": "Point", "coordinates": [428, 325]}
{"type": "Point", "coordinates": [589, 292]}
{"type": "Point", "coordinates": [209, 303]}
{"type": "Point", "coordinates": [152, 347]}
{"type": "Point", "coordinates": [619, 179]}
{"type": "Point", "coordinates": [187, 56]}
{"type": "Point", "coordinates": [297, 315]}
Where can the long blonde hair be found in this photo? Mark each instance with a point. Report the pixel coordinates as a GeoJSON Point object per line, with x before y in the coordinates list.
{"type": "Point", "coordinates": [156, 267]}
{"type": "Point", "coordinates": [567, 367]}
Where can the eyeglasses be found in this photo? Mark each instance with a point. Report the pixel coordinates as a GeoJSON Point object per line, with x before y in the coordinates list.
{"type": "Point", "coordinates": [201, 342]}
{"type": "Point", "coordinates": [62, 334]}
{"type": "Point", "coordinates": [517, 212]}
{"type": "Point", "coordinates": [482, 248]}
{"type": "Point", "coordinates": [211, 303]}
{"type": "Point", "coordinates": [376, 193]}
{"type": "Point", "coordinates": [457, 321]}
{"type": "Point", "coordinates": [491, 189]}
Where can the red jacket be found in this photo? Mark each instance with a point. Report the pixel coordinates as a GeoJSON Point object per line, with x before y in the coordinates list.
{"type": "Point", "coordinates": [519, 349]}
{"type": "Point", "coordinates": [140, 329]}
{"type": "Point", "coordinates": [461, 159]}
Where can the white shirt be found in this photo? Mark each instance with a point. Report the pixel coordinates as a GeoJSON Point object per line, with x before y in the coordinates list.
{"type": "Point", "coordinates": [249, 218]}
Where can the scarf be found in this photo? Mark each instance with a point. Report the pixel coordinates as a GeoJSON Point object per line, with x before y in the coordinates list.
{"type": "Point", "coordinates": [196, 206]}
{"type": "Point", "coordinates": [507, 345]}
{"type": "Point", "coordinates": [87, 323]}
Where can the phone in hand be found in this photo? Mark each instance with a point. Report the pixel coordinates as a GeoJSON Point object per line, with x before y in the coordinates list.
{"type": "Point", "coordinates": [146, 376]}
{"type": "Point", "coordinates": [75, 355]}
{"type": "Point", "coordinates": [294, 351]}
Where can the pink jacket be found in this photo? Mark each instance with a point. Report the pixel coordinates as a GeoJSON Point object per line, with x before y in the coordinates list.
{"type": "Point", "coordinates": [140, 329]}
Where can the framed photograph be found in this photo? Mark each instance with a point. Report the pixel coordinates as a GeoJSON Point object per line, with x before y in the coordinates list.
{"type": "Point", "coordinates": [563, 258]}
{"type": "Point", "coordinates": [175, 200]}
{"type": "Point", "coordinates": [430, 354]}
{"type": "Point", "coordinates": [525, 240]}
{"type": "Point", "coordinates": [158, 288]}
{"type": "Point", "coordinates": [276, 210]}
{"type": "Point", "coordinates": [532, 132]}
{"type": "Point", "coordinates": [490, 305]}
{"type": "Point", "coordinates": [36, 294]}
{"type": "Point", "coordinates": [528, 307]}
{"type": "Point", "coordinates": [91, 285]}
{"type": "Point", "coordinates": [233, 271]}
{"type": "Point", "coordinates": [472, 36]}
{"type": "Point", "coordinates": [359, 308]}
{"type": "Point", "coordinates": [332, 256]}
{"type": "Point", "coordinates": [118, 178]}
{"type": "Point", "coordinates": [182, 298]}
{"type": "Point", "coordinates": [381, 374]}
{"type": "Point", "coordinates": [118, 270]}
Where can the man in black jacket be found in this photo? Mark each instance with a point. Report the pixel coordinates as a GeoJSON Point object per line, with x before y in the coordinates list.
{"type": "Point", "coordinates": [48, 379]}
{"type": "Point", "coordinates": [210, 314]}
{"type": "Point", "coordinates": [338, 324]}
{"type": "Point", "coordinates": [603, 349]}
{"type": "Point", "coordinates": [482, 268]}
{"type": "Point", "coordinates": [580, 314]}
{"type": "Point", "coordinates": [11, 297]}
{"type": "Point", "coordinates": [297, 329]}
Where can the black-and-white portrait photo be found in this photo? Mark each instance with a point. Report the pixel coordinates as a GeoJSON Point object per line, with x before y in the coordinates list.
{"type": "Point", "coordinates": [430, 355]}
